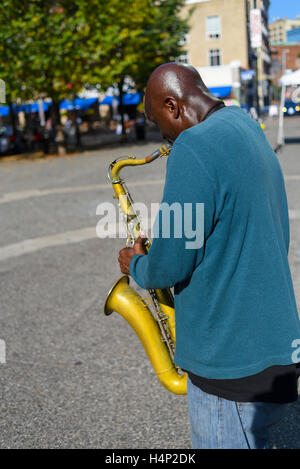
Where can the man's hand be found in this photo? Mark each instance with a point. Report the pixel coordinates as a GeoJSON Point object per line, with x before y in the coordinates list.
{"type": "Point", "coordinates": [127, 254]}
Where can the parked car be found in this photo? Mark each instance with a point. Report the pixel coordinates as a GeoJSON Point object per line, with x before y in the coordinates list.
{"type": "Point", "coordinates": [291, 109]}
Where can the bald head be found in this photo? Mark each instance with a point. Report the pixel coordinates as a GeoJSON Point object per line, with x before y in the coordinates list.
{"type": "Point", "coordinates": [178, 87]}
{"type": "Point", "coordinates": [174, 79]}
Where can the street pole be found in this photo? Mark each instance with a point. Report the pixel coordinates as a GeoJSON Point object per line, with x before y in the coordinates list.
{"type": "Point", "coordinates": [280, 136]}
{"type": "Point", "coordinates": [256, 44]}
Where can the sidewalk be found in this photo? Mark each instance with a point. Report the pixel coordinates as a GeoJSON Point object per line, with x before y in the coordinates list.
{"type": "Point", "coordinates": [89, 141]}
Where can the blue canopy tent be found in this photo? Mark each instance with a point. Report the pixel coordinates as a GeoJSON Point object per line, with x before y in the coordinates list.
{"type": "Point", "coordinates": [78, 103]}
{"type": "Point", "coordinates": [32, 107]}
{"type": "Point", "coordinates": [129, 99]}
{"type": "Point", "coordinates": [135, 98]}
{"type": "Point", "coordinates": [4, 110]}
{"type": "Point", "coordinates": [28, 108]}
{"type": "Point", "coordinates": [107, 100]}
{"type": "Point", "coordinates": [221, 91]}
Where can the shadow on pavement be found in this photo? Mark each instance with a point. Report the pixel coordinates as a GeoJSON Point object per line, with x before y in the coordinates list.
{"type": "Point", "coordinates": [292, 140]}
{"type": "Point", "coordinates": [112, 141]}
{"type": "Point", "coordinates": [286, 434]}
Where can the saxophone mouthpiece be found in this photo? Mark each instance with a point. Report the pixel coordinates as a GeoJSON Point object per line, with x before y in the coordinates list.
{"type": "Point", "coordinates": [162, 151]}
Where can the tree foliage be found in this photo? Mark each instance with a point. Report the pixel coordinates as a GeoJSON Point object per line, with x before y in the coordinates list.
{"type": "Point", "coordinates": [55, 48]}
{"type": "Point", "coordinates": [38, 50]}
{"type": "Point", "coordinates": [132, 38]}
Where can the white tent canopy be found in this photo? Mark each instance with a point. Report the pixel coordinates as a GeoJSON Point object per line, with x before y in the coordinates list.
{"type": "Point", "coordinates": [289, 79]}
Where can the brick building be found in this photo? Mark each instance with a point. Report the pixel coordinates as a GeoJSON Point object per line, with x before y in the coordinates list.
{"type": "Point", "coordinates": [284, 56]}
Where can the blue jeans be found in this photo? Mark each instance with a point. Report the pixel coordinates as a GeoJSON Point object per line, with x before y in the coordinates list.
{"type": "Point", "coordinates": [218, 423]}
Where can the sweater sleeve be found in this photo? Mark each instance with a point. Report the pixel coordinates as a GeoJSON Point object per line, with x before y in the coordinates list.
{"type": "Point", "coordinates": [184, 221]}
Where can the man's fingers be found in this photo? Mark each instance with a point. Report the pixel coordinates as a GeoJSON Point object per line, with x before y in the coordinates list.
{"type": "Point", "coordinates": [139, 245]}
{"type": "Point", "coordinates": [125, 256]}
{"type": "Point", "coordinates": [141, 238]}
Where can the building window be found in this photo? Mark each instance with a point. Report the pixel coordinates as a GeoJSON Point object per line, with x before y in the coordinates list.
{"type": "Point", "coordinates": [183, 41]}
{"type": "Point", "coordinates": [183, 58]}
{"type": "Point", "coordinates": [214, 57]}
{"type": "Point", "coordinates": [213, 27]}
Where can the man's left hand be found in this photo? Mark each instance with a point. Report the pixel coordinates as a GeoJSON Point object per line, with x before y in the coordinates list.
{"type": "Point", "coordinates": [127, 254]}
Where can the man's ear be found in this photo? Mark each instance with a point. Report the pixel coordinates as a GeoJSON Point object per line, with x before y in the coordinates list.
{"type": "Point", "coordinates": [172, 106]}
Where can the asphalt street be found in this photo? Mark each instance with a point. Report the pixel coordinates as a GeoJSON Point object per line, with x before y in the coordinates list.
{"type": "Point", "coordinates": [72, 377]}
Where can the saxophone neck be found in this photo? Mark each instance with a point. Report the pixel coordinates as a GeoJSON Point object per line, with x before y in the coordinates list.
{"type": "Point", "coordinates": [122, 195]}
{"type": "Point", "coordinates": [116, 166]}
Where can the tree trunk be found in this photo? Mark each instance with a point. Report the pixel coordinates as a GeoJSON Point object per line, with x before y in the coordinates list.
{"type": "Point", "coordinates": [56, 136]}
{"type": "Point", "coordinates": [55, 114]}
{"type": "Point", "coordinates": [78, 135]}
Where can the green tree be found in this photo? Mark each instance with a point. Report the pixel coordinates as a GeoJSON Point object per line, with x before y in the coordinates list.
{"type": "Point", "coordinates": [131, 39]}
{"type": "Point", "coordinates": [40, 50]}
{"type": "Point", "coordinates": [55, 48]}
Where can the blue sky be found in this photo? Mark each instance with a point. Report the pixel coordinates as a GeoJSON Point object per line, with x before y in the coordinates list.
{"type": "Point", "coordinates": [281, 8]}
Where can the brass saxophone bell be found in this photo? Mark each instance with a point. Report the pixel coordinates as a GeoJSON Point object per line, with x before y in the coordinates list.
{"type": "Point", "coordinates": [124, 300]}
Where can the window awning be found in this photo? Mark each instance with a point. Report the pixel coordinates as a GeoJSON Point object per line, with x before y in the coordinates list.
{"type": "Point", "coordinates": [221, 91]}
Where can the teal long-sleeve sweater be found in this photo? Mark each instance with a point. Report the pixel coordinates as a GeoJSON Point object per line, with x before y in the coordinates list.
{"type": "Point", "coordinates": [235, 306]}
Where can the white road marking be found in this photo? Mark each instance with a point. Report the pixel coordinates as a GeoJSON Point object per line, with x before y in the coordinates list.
{"type": "Point", "coordinates": [292, 177]}
{"type": "Point", "coordinates": [20, 195]}
{"type": "Point", "coordinates": [32, 245]}
{"type": "Point", "coordinates": [74, 236]}
{"type": "Point", "coordinates": [294, 214]}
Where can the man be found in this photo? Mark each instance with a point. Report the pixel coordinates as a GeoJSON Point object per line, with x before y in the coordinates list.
{"type": "Point", "coordinates": [236, 315]}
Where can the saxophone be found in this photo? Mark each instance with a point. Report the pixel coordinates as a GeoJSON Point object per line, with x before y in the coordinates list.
{"type": "Point", "coordinates": [155, 330]}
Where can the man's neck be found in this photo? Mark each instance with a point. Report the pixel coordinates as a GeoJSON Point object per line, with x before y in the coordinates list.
{"type": "Point", "coordinates": [206, 104]}
{"type": "Point", "coordinates": [215, 108]}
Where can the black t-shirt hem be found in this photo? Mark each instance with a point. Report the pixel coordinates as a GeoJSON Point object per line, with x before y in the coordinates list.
{"type": "Point", "coordinates": [276, 384]}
